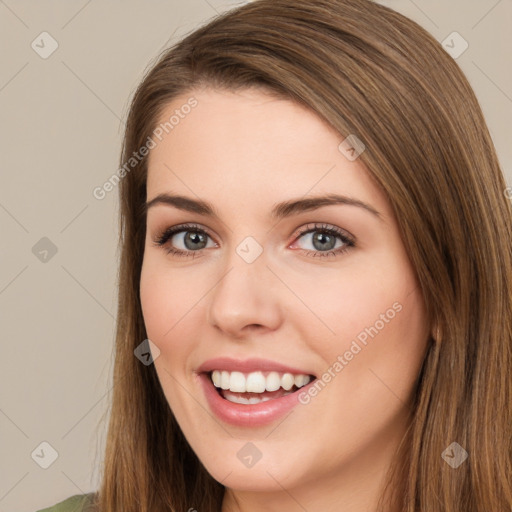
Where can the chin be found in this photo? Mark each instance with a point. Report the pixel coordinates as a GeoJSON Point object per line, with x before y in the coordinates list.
{"type": "Point", "coordinates": [256, 479]}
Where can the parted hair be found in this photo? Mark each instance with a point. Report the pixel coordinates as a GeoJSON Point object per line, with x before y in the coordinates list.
{"type": "Point", "coordinates": [366, 70]}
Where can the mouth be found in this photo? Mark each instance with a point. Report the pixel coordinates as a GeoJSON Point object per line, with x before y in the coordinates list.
{"type": "Point", "coordinates": [252, 392]}
{"type": "Point", "coordinates": [256, 387]}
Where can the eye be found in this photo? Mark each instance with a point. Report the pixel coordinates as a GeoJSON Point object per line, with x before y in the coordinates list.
{"type": "Point", "coordinates": [194, 235]}
{"type": "Point", "coordinates": [194, 238]}
{"type": "Point", "coordinates": [323, 239]}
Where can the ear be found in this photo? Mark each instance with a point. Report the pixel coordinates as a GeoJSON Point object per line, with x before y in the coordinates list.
{"type": "Point", "coordinates": [436, 333]}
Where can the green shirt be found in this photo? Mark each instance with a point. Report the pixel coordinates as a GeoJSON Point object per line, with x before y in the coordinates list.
{"type": "Point", "coordinates": [77, 503]}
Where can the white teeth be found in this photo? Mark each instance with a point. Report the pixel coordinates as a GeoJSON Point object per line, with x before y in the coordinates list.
{"type": "Point", "coordinates": [301, 380]}
{"type": "Point", "coordinates": [273, 381]}
{"type": "Point", "coordinates": [246, 401]}
{"type": "Point", "coordinates": [224, 380]}
{"type": "Point", "coordinates": [287, 381]}
{"type": "Point", "coordinates": [256, 382]}
{"type": "Point", "coordinates": [216, 378]}
{"type": "Point", "coordinates": [237, 382]}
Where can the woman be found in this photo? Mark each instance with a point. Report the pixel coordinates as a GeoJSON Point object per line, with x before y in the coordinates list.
{"type": "Point", "coordinates": [342, 338]}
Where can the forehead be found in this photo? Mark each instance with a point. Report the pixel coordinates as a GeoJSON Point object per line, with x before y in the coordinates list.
{"type": "Point", "coordinates": [248, 121]}
{"type": "Point", "coordinates": [249, 146]}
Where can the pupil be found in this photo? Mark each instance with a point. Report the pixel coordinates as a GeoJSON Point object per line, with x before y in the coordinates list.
{"type": "Point", "coordinates": [195, 237]}
{"type": "Point", "coordinates": [320, 238]}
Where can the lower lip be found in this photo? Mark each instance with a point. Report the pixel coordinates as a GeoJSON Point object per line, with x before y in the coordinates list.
{"type": "Point", "coordinates": [250, 415]}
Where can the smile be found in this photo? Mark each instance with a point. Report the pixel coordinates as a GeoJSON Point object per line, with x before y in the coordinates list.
{"type": "Point", "coordinates": [253, 392]}
{"type": "Point", "coordinates": [255, 387]}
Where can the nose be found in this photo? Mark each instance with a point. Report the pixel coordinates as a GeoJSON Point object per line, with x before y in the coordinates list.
{"type": "Point", "coordinates": [246, 299]}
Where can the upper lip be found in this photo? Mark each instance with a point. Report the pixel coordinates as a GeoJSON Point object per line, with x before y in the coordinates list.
{"type": "Point", "coordinates": [248, 366]}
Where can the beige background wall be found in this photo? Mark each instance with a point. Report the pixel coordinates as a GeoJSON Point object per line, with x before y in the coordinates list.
{"type": "Point", "coordinates": [61, 126]}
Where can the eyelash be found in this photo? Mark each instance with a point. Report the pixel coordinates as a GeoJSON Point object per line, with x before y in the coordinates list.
{"type": "Point", "coordinates": [168, 233]}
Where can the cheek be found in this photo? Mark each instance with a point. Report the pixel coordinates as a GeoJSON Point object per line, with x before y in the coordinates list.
{"type": "Point", "coordinates": [392, 347]}
{"type": "Point", "coordinates": [155, 299]}
{"type": "Point", "coordinates": [376, 315]}
{"type": "Point", "coordinates": [351, 300]}
{"type": "Point", "coordinates": [165, 302]}
{"type": "Point", "coordinates": [162, 301]}
{"type": "Point", "coordinates": [166, 294]}
{"type": "Point", "coordinates": [171, 307]}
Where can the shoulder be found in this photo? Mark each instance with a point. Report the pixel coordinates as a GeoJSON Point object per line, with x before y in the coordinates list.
{"type": "Point", "coordinates": [76, 503]}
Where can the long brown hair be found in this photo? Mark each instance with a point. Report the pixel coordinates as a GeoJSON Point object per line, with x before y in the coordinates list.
{"type": "Point", "coordinates": [368, 71]}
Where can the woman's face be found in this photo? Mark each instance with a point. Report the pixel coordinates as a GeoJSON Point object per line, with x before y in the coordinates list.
{"type": "Point", "coordinates": [265, 297]}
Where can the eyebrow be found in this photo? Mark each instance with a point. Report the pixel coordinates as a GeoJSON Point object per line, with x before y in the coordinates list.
{"type": "Point", "coordinates": [279, 210]}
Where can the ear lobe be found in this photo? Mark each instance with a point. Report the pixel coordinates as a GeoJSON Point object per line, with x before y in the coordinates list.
{"type": "Point", "coordinates": [436, 333]}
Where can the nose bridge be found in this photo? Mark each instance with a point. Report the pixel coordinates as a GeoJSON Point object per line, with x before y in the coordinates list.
{"type": "Point", "coordinates": [243, 294]}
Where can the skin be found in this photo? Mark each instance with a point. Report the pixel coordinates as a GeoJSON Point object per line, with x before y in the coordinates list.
{"type": "Point", "coordinates": [243, 152]}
